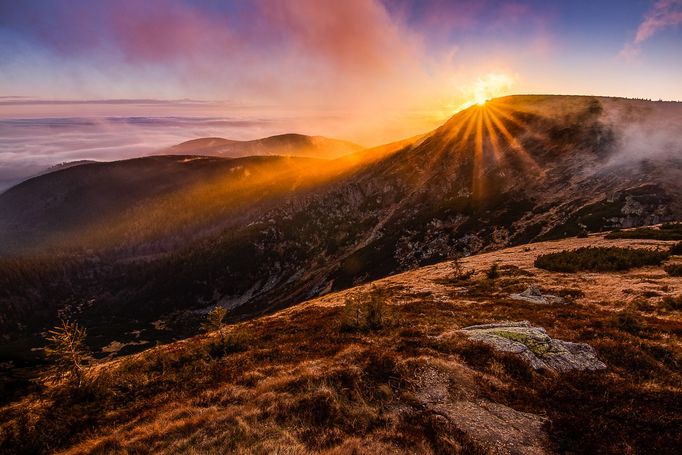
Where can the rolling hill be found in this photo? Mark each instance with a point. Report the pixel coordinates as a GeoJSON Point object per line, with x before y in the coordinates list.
{"type": "Point", "coordinates": [283, 144]}
{"type": "Point", "coordinates": [160, 240]}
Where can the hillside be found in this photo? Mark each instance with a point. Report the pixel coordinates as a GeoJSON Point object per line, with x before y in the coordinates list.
{"type": "Point", "coordinates": [283, 145]}
{"type": "Point", "coordinates": [278, 231]}
{"type": "Point", "coordinates": [304, 380]}
{"type": "Point", "coordinates": [71, 207]}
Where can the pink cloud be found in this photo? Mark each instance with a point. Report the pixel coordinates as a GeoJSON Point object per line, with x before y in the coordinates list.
{"type": "Point", "coordinates": [663, 14]}
{"type": "Point", "coordinates": [162, 31]}
{"type": "Point", "coordinates": [352, 35]}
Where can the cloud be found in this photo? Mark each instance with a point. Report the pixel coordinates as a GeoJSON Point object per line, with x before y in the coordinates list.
{"type": "Point", "coordinates": [29, 146]}
{"type": "Point", "coordinates": [663, 14]}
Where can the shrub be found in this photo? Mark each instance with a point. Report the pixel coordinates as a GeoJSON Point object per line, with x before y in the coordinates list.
{"type": "Point", "coordinates": [583, 232]}
{"type": "Point", "coordinates": [214, 319]}
{"type": "Point", "coordinates": [668, 231]}
{"type": "Point", "coordinates": [366, 311]}
{"type": "Point", "coordinates": [458, 272]}
{"type": "Point", "coordinates": [599, 259]}
{"type": "Point", "coordinates": [627, 321]}
{"type": "Point", "coordinates": [676, 248]}
{"type": "Point", "coordinates": [67, 351]}
{"type": "Point", "coordinates": [674, 269]}
{"type": "Point", "coordinates": [672, 303]}
{"type": "Point", "coordinates": [237, 340]}
{"type": "Point", "coordinates": [493, 272]}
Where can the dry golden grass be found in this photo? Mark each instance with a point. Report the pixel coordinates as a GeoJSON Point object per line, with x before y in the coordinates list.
{"type": "Point", "coordinates": [302, 384]}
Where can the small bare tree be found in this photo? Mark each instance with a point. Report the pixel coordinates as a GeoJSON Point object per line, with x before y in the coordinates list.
{"type": "Point", "coordinates": [458, 271]}
{"type": "Point", "coordinates": [67, 350]}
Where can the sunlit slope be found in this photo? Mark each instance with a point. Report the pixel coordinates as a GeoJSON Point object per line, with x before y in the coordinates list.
{"type": "Point", "coordinates": [283, 144]}
{"type": "Point", "coordinates": [102, 205]}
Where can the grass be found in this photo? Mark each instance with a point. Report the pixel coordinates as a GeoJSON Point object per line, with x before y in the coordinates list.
{"type": "Point", "coordinates": [600, 259]}
{"type": "Point", "coordinates": [301, 385]}
{"type": "Point", "coordinates": [668, 231]}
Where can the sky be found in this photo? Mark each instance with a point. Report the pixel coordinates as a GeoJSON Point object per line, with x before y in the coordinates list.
{"type": "Point", "coordinates": [108, 79]}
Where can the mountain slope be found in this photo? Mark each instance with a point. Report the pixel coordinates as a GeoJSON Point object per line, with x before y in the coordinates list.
{"type": "Point", "coordinates": [519, 169]}
{"type": "Point", "coordinates": [283, 145]}
{"type": "Point", "coordinates": [300, 381]}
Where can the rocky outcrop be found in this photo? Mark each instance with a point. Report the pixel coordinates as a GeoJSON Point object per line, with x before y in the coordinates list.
{"type": "Point", "coordinates": [534, 346]}
{"type": "Point", "coordinates": [534, 295]}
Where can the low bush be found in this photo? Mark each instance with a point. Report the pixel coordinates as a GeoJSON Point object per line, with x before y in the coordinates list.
{"type": "Point", "coordinates": [668, 231]}
{"type": "Point", "coordinates": [627, 321]}
{"type": "Point", "coordinates": [672, 303]}
{"type": "Point", "coordinates": [676, 248]}
{"type": "Point", "coordinates": [236, 340]}
{"type": "Point", "coordinates": [459, 273]}
{"type": "Point", "coordinates": [599, 259]}
{"type": "Point", "coordinates": [493, 272]}
{"type": "Point", "coordinates": [365, 311]}
{"type": "Point", "coordinates": [674, 269]}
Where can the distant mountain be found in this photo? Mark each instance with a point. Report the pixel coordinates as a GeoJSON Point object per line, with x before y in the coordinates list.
{"type": "Point", "coordinates": [128, 243]}
{"type": "Point", "coordinates": [284, 144]}
{"type": "Point", "coordinates": [111, 202]}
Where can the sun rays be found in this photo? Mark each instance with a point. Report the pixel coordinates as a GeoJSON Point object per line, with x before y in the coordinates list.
{"type": "Point", "coordinates": [494, 136]}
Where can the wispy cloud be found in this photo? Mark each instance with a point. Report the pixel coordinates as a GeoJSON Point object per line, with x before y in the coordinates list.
{"type": "Point", "coordinates": [663, 14]}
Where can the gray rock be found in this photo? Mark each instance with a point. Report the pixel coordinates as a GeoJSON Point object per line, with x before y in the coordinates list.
{"type": "Point", "coordinates": [534, 346]}
{"type": "Point", "coordinates": [534, 295]}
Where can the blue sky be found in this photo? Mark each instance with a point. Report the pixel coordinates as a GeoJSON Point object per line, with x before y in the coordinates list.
{"type": "Point", "coordinates": [257, 52]}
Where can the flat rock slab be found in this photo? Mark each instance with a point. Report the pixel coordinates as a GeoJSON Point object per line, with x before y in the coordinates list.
{"type": "Point", "coordinates": [534, 346]}
{"type": "Point", "coordinates": [498, 429]}
{"type": "Point", "coordinates": [534, 295]}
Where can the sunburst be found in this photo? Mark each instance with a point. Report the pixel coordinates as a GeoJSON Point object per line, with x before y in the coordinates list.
{"type": "Point", "coordinates": [489, 123]}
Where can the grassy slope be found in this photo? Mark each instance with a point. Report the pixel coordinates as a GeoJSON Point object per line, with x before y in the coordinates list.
{"type": "Point", "coordinates": [303, 385]}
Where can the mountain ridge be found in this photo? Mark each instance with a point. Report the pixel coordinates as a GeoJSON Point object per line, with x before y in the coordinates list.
{"type": "Point", "coordinates": [289, 144]}
{"type": "Point", "coordinates": [516, 170]}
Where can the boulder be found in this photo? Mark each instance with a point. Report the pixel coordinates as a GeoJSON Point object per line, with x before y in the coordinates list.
{"type": "Point", "coordinates": [534, 346]}
{"type": "Point", "coordinates": [534, 295]}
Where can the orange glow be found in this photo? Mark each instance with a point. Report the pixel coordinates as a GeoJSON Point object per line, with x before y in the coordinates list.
{"type": "Point", "coordinates": [491, 134]}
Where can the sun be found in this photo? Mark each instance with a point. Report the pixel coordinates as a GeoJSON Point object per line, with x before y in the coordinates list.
{"type": "Point", "coordinates": [490, 86]}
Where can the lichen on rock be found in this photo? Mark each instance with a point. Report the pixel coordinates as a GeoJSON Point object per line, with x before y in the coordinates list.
{"type": "Point", "coordinates": [534, 346]}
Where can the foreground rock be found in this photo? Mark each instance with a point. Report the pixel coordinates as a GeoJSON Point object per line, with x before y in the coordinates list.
{"type": "Point", "coordinates": [534, 295]}
{"type": "Point", "coordinates": [533, 345]}
{"type": "Point", "coordinates": [492, 427]}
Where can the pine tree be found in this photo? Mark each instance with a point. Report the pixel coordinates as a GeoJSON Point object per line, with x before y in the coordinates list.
{"type": "Point", "coordinates": [67, 350]}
